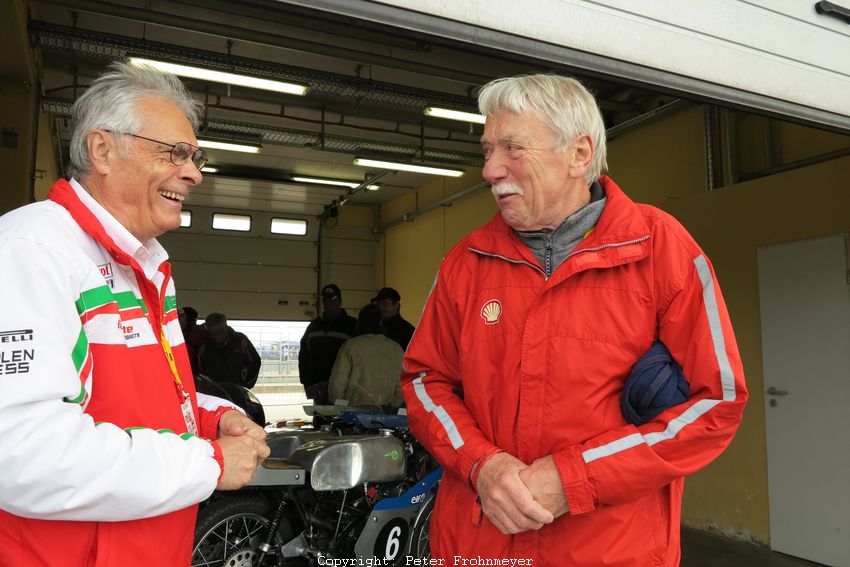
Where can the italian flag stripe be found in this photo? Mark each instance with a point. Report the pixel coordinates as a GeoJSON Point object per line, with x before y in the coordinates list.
{"type": "Point", "coordinates": [128, 300]}
{"type": "Point", "coordinates": [98, 297]}
{"type": "Point", "coordinates": [108, 309]}
{"type": "Point", "coordinates": [80, 351]}
{"type": "Point", "coordinates": [183, 436]}
{"type": "Point", "coordinates": [80, 397]}
{"type": "Point", "coordinates": [170, 303]}
{"type": "Point", "coordinates": [94, 298]}
{"type": "Point", "coordinates": [87, 366]}
{"type": "Point", "coordinates": [132, 313]}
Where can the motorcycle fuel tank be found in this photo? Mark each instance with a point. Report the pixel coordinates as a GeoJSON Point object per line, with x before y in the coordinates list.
{"type": "Point", "coordinates": [284, 442]}
{"type": "Point", "coordinates": [346, 462]}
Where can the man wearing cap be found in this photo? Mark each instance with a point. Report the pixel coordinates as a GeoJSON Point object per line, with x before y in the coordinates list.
{"type": "Point", "coordinates": [321, 343]}
{"type": "Point", "coordinates": [393, 326]}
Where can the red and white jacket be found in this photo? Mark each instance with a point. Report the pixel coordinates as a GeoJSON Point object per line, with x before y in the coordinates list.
{"type": "Point", "coordinates": [98, 468]}
{"type": "Point", "coordinates": [504, 357]}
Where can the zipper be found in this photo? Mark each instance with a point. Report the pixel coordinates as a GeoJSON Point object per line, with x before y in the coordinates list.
{"type": "Point", "coordinates": [603, 246]}
{"type": "Point", "coordinates": [549, 250]}
{"type": "Point", "coordinates": [506, 259]}
{"type": "Point", "coordinates": [547, 257]}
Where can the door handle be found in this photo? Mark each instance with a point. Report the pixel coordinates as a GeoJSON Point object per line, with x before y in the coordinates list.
{"type": "Point", "coordinates": [774, 392]}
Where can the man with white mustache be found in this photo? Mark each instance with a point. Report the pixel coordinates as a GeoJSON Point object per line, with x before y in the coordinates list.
{"type": "Point", "coordinates": [514, 376]}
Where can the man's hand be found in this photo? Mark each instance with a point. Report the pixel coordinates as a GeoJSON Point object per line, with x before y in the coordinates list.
{"type": "Point", "coordinates": [544, 483]}
{"type": "Point", "coordinates": [235, 424]}
{"type": "Point", "coordinates": [242, 454]}
{"type": "Point", "coordinates": [506, 501]}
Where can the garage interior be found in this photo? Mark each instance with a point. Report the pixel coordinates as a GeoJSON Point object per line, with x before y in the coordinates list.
{"type": "Point", "coordinates": [738, 178]}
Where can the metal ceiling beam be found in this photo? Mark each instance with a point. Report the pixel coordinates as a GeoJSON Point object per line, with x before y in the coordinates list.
{"type": "Point", "coordinates": [246, 131]}
{"type": "Point", "coordinates": [230, 31]}
{"type": "Point", "coordinates": [113, 47]}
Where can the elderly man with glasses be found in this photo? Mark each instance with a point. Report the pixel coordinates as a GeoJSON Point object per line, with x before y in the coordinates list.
{"type": "Point", "coordinates": [106, 447]}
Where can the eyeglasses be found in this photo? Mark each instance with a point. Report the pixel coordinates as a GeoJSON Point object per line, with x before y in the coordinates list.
{"type": "Point", "coordinates": [180, 153]}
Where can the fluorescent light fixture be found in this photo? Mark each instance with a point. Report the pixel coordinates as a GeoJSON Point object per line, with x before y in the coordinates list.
{"type": "Point", "coordinates": [289, 226]}
{"type": "Point", "coordinates": [185, 219]}
{"type": "Point", "coordinates": [454, 114]}
{"type": "Point", "coordinates": [221, 76]}
{"type": "Point", "coordinates": [209, 169]}
{"type": "Point", "coordinates": [366, 162]}
{"type": "Point", "coordinates": [336, 182]}
{"type": "Point", "coordinates": [222, 221]}
{"type": "Point", "coordinates": [230, 146]}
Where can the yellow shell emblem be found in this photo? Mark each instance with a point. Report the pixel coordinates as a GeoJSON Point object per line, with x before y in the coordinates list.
{"type": "Point", "coordinates": [491, 311]}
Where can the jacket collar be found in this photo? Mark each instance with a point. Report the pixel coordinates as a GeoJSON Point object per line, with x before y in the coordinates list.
{"type": "Point", "coordinates": [87, 213]}
{"type": "Point", "coordinates": [101, 225]}
{"type": "Point", "coordinates": [621, 235]}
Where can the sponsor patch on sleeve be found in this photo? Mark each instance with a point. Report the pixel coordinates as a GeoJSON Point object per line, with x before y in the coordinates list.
{"type": "Point", "coordinates": [16, 351]}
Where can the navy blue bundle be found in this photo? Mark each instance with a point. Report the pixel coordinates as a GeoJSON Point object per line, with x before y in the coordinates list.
{"type": "Point", "coordinates": [655, 383]}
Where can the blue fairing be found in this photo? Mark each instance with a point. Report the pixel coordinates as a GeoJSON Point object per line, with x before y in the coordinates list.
{"type": "Point", "coordinates": [415, 495]}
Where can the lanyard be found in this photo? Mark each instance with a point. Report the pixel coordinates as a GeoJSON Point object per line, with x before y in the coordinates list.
{"type": "Point", "coordinates": [169, 355]}
{"type": "Point", "coordinates": [155, 299]}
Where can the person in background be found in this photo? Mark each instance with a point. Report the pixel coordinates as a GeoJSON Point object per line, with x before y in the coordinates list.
{"type": "Point", "coordinates": [367, 367]}
{"type": "Point", "coordinates": [514, 378]}
{"type": "Point", "coordinates": [321, 342]}
{"type": "Point", "coordinates": [227, 355]}
{"type": "Point", "coordinates": [194, 335]}
{"type": "Point", "coordinates": [393, 325]}
{"type": "Point", "coordinates": [105, 447]}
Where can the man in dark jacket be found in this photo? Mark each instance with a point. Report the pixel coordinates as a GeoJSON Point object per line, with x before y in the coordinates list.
{"type": "Point", "coordinates": [393, 326]}
{"type": "Point", "coordinates": [193, 334]}
{"type": "Point", "coordinates": [321, 342]}
{"type": "Point", "coordinates": [228, 356]}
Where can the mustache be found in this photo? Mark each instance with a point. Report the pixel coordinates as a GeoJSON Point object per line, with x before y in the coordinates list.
{"type": "Point", "coordinates": [506, 188]}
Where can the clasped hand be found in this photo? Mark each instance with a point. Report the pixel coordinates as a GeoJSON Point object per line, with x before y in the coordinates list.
{"type": "Point", "coordinates": [517, 497]}
{"type": "Point", "coordinates": [243, 445]}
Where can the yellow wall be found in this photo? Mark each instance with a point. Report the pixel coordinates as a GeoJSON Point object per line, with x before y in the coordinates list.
{"type": "Point", "coordinates": [353, 215]}
{"type": "Point", "coordinates": [409, 253]}
{"type": "Point", "coordinates": [663, 163]}
{"type": "Point", "coordinates": [730, 224]}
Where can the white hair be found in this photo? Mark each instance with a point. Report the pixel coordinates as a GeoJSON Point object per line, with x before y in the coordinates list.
{"type": "Point", "coordinates": [563, 103]}
{"type": "Point", "coordinates": [110, 104]}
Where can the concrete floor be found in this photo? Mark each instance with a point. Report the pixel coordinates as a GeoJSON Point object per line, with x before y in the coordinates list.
{"type": "Point", "coordinates": [704, 549]}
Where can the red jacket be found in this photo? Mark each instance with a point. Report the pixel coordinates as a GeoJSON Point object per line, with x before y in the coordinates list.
{"type": "Point", "coordinates": [504, 357]}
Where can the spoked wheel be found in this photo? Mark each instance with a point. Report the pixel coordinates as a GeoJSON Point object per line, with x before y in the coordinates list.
{"type": "Point", "coordinates": [230, 529]}
{"type": "Point", "coordinates": [420, 547]}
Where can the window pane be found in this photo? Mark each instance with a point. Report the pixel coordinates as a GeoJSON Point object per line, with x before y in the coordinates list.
{"type": "Point", "coordinates": [222, 221]}
{"type": "Point", "coordinates": [278, 387]}
{"type": "Point", "coordinates": [289, 226]}
{"type": "Point", "coordinates": [185, 219]}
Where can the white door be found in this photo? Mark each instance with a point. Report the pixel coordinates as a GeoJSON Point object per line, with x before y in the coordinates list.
{"type": "Point", "coordinates": [805, 322]}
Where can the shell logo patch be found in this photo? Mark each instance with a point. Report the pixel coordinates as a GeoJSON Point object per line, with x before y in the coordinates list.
{"type": "Point", "coordinates": [491, 311]}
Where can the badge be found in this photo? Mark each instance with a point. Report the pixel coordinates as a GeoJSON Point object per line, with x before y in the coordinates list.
{"type": "Point", "coordinates": [189, 417]}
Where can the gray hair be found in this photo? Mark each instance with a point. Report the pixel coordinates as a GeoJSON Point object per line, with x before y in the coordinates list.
{"type": "Point", "coordinates": [110, 104]}
{"type": "Point", "coordinates": [563, 103]}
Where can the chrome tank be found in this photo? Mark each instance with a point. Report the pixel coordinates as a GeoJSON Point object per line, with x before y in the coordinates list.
{"type": "Point", "coordinates": [346, 462]}
{"type": "Point", "coordinates": [284, 442]}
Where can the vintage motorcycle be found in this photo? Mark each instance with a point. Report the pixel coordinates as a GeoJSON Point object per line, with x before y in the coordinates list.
{"type": "Point", "coordinates": [360, 488]}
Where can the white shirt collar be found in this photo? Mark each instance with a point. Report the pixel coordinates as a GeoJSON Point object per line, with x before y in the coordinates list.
{"type": "Point", "coordinates": [149, 255]}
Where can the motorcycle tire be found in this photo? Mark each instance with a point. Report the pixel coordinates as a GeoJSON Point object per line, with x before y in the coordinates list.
{"type": "Point", "coordinates": [420, 547]}
{"type": "Point", "coordinates": [230, 528]}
